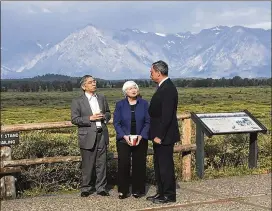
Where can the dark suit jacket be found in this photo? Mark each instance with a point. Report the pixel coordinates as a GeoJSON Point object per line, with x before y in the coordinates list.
{"type": "Point", "coordinates": [122, 118]}
{"type": "Point", "coordinates": [80, 116]}
{"type": "Point", "coordinates": [163, 114]}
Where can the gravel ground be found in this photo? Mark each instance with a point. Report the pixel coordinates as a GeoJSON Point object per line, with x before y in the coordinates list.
{"type": "Point", "coordinates": [232, 193]}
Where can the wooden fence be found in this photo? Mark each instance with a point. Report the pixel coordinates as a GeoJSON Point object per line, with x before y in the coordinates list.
{"type": "Point", "coordinates": [9, 167]}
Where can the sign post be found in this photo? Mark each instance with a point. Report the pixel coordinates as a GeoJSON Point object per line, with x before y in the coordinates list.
{"type": "Point", "coordinates": [226, 123]}
{"type": "Point", "coordinates": [253, 150]}
{"type": "Point", "coordinates": [199, 151]}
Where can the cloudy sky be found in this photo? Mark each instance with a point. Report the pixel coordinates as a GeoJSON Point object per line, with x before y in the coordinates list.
{"type": "Point", "coordinates": [48, 18]}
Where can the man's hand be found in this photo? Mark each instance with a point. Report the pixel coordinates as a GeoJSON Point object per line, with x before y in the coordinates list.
{"type": "Point", "coordinates": [139, 139]}
{"type": "Point", "coordinates": [127, 140]}
{"type": "Point", "coordinates": [157, 140]}
{"type": "Point", "coordinates": [96, 117]}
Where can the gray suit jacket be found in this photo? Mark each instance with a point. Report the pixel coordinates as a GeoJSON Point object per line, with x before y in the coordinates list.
{"type": "Point", "coordinates": [80, 116]}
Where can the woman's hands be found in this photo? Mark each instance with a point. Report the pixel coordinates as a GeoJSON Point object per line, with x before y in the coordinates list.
{"type": "Point", "coordinates": [129, 142]}
{"type": "Point", "coordinates": [139, 139]}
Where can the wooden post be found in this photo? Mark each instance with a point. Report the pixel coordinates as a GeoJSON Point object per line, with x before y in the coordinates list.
{"type": "Point", "coordinates": [186, 156]}
{"type": "Point", "coordinates": [8, 190]}
{"type": "Point", "coordinates": [253, 151]}
{"type": "Point", "coordinates": [199, 152]}
{"type": "Point", "coordinates": [2, 180]}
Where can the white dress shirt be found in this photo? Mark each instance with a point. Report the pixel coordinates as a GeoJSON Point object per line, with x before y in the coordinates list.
{"type": "Point", "coordinates": [94, 106]}
{"type": "Point", "coordinates": [163, 81]}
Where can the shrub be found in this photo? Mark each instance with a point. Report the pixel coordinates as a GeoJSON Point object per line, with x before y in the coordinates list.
{"type": "Point", "coordinates": [44, 178]}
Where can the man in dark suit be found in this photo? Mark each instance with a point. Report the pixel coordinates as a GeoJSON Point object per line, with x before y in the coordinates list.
{"type": "Point", "coordinates": [164, 132]}
{"type": "Point", "coordinates": [90, 112]}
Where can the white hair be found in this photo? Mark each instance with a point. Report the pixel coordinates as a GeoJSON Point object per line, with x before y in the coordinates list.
{"type": "Point", "coordinates": [129, 84]}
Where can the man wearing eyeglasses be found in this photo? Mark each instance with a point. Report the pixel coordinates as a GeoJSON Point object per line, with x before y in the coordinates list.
{"type": "Point", "coordinates": [90, 112]}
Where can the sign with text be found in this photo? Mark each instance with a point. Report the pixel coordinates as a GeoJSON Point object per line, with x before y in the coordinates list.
{"type": "Point", "coordinates": [9, 138]}
{"type": "Point", "coordinates": [226, 123]}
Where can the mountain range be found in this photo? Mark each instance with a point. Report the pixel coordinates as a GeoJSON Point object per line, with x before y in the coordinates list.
{"type": "Point", "coordinates": [109, 54]}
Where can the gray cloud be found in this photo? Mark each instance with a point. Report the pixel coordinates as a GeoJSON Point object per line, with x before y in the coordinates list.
{"type": "Point", "coordinates": [46, 19]}
{"type": "Point", "coordinates": [229, 15]}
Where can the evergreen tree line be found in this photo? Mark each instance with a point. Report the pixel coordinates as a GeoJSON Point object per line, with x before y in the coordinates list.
{"type": "Point", "coordinates": [31, 85]}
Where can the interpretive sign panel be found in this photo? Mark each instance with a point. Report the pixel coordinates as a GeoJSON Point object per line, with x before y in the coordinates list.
{"type": "Point", "coordinates": [226, 123]}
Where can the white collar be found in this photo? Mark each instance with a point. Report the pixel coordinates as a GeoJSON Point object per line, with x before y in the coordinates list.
{"type": "Point", "coordinates": [163, 81]}
{"type": "Point", "coordinates": [90, 96]}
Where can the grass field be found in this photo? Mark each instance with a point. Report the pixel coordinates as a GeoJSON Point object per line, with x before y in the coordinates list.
{"type": "Point", "coordinates": [225, 155]}
{"type": "Point", "coordinates": [18, 107]}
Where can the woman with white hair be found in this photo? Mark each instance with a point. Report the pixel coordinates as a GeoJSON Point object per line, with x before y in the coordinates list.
{"type": "Point", "coordinates": [131, 122]}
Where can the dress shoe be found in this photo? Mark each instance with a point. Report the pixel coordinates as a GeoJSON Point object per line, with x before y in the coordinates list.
{"type": "Point", "coordinates": [165, 199]}
{"type": "Point", "coordinates": [85, 194]}
{"type": "Point", "coordinates": [137, 195]}
{"type": "Point", "coordinates": [151, 198]}
{"type": "Point", "coordinates": [122, 196]}
{"type": "Point", "coordinates": [103, 193]}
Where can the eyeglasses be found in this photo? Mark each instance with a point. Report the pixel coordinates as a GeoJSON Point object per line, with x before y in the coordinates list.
{"type": "Point", "coordinates": [91, 82]}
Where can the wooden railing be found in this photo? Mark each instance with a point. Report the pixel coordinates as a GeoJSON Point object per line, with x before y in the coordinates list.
{"type": "Point", "coordinates": [9, 166]}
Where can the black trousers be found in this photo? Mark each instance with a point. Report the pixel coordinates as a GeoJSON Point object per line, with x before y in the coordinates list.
{"type": "Point", "coordinates": [164, 169]}
{"type": "Point", "coordinates": [138, 154]}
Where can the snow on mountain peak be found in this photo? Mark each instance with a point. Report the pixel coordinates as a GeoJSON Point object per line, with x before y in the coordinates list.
{"type": "Point", "coordinates": [160, 34]}
{"type": "Point", "coordinates": [216, 28]}
{"type": "Point", "coordinates": [136, 30]}
{"type": "Point", "coordinates": [143, 31]}
{"type": "Point", "coordinates": [40, 46]}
